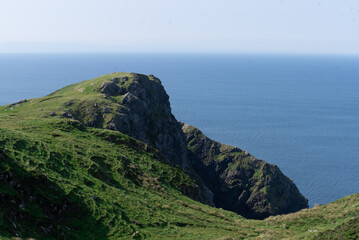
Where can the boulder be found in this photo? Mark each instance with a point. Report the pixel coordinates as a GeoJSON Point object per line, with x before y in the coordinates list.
{"type": "Point", "coordinates": [109, 88]}
{"type": "Point", "coordinates": [67, 115]}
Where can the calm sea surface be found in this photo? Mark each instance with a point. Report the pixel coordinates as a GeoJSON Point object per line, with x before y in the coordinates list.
{"type": "Point", "coordinates": [299, 112]}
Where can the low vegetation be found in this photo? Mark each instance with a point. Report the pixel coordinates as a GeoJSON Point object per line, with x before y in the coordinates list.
{"type": "Point", "coordinates": [60, 179]}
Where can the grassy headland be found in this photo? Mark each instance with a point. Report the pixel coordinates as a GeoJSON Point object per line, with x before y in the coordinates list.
{"type": "Point", "coordinates": [61, 179]}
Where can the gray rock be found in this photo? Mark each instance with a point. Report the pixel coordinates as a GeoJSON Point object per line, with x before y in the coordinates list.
{"type": "Point", "coordinates": [67, 115]}
{"type": "Point", "coordinates": [109, 88]}
{"type": "Point", "coordinates": [146, 115]}
{"type": "Point", "coordinates": [18, 103]}
{"type": "Point", "coordinates": [240, 182]}
{"type": "Point", "coordinates": [121, 90]}
{"type": "Point", "coordinates": [52, 114]}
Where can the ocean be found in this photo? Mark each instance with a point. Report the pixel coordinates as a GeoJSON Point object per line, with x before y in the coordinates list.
{"type": "Point", "coordinates": [300, 112]}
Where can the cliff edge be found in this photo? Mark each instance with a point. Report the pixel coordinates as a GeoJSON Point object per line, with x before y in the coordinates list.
{"type": "Point", "coordinates": [240, 182]}
{"type": "Point", "coordinates": [137, 105]}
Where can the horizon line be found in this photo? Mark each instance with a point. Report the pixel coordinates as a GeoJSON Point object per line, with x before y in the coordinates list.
{"type": "Point", "coordinates": [189, 52]}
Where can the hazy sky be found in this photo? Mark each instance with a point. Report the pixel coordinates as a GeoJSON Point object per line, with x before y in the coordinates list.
{"type": "Point", "coordinates": [301, 26]}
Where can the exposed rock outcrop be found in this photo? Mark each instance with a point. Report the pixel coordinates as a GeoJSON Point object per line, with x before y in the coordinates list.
{"type": "Point", "coordinates": [139, 108]}
{"type": "Point", "coordinates": [18, 103]}
{"type": "Point", "coordinates": [147, 116]}
{"type": "Point", "coordinates": [137, 105]}
{"type": "Point", "coordinates": [110, 88]}
{"type": "Point", "coordinates": [240, 182]}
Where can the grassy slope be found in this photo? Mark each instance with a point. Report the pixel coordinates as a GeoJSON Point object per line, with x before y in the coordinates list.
{"type": "Point", "coordinates": [114, 184]}
{"type": "Point", "coordinates": [73, 96]}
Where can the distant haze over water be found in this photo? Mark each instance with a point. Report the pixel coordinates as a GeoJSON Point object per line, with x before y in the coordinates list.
{"type": "Point", "coordinates": [299, 112]}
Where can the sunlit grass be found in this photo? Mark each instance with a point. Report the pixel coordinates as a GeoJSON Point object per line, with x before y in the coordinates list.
{"type": "Point", "coordinates": [121, 187]}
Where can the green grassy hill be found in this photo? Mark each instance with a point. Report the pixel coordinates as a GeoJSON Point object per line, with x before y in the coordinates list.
{"type": "Point", "coordinates": [61, 179]}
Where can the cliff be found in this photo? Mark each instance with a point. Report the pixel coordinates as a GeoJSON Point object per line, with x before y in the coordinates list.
{"type": "Point", "coordinates": [106, 159]}
{"type": "Point", "coordinates": [240, 182]}
{"type": "Point", "coordinates": [137, 105]}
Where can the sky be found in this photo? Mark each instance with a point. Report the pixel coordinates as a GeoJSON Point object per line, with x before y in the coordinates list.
{"type": "Point", "coordinates": [218, 26]}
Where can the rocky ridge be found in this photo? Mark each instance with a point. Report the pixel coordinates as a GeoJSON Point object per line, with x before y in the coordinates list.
{"type": "Point", "coordinates": [139, 108]}
{"type": "Point", "coordinates": [137, 105]}
{"type": "Point", "coordinates": [240, 182]}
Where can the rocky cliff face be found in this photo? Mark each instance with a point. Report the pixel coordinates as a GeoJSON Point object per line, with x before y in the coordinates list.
{"type": "Point", "coordinates": [240, 182]}
{"type": "Point", "coordinates": [137, 105]}
{"type": "Point", "coordinates": [139, 108]}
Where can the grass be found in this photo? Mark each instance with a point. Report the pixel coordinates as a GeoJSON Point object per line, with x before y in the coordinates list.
{"type": "Point", "coordinates": [61, 179]}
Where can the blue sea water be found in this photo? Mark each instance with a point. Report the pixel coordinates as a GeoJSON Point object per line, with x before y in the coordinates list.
{"type": "Point", "coordinates": [299, 112]}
